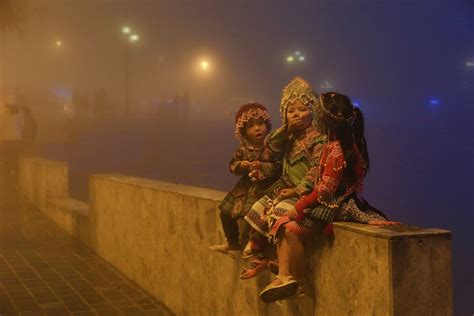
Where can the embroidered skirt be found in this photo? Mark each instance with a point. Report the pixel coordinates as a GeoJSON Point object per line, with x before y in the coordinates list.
{"type": "Point", "coordinates": [264, 213]}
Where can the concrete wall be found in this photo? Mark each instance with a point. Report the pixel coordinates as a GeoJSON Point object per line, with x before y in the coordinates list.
{"type": "Point", "coordinates": [158, 235]}
{"type": "Point", "coordinates": [45, 184]}
{"type": "Point", "coordinates": [42, 179]}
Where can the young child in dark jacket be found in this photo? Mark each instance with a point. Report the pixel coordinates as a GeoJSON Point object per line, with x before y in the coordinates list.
{"type": "Point", "coordinates": [257, 166]}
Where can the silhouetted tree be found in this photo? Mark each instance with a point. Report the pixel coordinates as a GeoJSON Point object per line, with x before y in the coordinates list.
{"type": "Point", "coordinates": [12, 15]}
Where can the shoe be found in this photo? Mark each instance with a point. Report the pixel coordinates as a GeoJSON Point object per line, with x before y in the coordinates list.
{"type": "Point", "coordinates": [247, 253]}
{"type": "Point", "coordinates": [298, 295]}
{"type": "Point", "coordinates": [288, 288]}
{"type": "Point", "coordinates": [225, 247]}
{"type": "Point", "coordinates": [257, 265]}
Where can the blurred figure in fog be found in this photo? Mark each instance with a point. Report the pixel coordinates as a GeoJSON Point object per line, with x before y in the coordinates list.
{"type": "Point", "coordinates": [11, 130]}
{"type": "Point", "coordinates": [29, 124]}
{"type": "Point", "coordinates": [77, 103]}
{"type": "Point", "coordinates": [184, 111]}
{"type": "Point", "coordinates": [100, 103]}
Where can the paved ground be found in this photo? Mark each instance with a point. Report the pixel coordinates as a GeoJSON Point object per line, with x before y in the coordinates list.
{"type": "Point", "coordinates": [44, 272]}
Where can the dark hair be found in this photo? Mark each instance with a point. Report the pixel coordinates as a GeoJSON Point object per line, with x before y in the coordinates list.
{"type": "Point", "coordinates": [346, 123]}
{"type": "Point", "coordinates": [359, 137]}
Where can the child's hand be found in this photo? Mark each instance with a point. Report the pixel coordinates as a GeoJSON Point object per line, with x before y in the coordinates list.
{"type": "Point", "coordinates": [293, 125]}
{"type": "Point", "coordinates": [255, 175]}
{"type": "Point", "coordinates": [286, 194]}
{"type": "Point", "coordinates": [244, 165]}
{"type": "Point", "coordinates": [294, 215]}
{"type": "Point", "coordinates": [255, 165]}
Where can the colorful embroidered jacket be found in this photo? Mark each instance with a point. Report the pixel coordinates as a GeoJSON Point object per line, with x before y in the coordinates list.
{"type": "Point", "coordinates": [332, 181]}
{"type": "Point", "coordinates": [301, 155]}
{"type": "Point", "coordinates": [248, 190]}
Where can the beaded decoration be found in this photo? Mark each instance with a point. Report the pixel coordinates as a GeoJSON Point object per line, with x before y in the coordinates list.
{"type": "Point", "coordinates": [246, 113]}
{"type": "Point", "coordinates": [297, 89]}
{"type": "Point", "coordinates": [324, 113]}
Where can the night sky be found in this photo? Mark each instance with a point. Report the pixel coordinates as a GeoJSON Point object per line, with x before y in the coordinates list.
{"type": "Point", "coordinates": [408, 64]}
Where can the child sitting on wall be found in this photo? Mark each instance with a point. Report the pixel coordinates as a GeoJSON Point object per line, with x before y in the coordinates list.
{"type": "Point", "coordinates": [257, 167]}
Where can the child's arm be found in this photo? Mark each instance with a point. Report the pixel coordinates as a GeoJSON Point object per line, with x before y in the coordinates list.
{"type": "Point", "coordinates": [329, 181]}
{"type": "Point", "coordinates": [306, 184]}
{"type": "Point", "coordinates": [237, 164]}
{"type": "Point", "coordinates": [269, 165]}
{"type": "Point", "coordinates": [277, 139]}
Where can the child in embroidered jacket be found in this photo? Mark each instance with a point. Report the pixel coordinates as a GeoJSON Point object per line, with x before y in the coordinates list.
{"type": "Point", "coordinates": [257, 166]}
{"type": "Point", "coordinates": [342, 167]}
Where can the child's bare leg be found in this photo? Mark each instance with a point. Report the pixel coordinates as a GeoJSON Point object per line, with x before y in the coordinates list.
{"type": "Point", "coordinates": [283, 253]}
{"type": "Point", "coordinates": [296, 255]}
{"type": "Point", "coordinates": [291, 258]}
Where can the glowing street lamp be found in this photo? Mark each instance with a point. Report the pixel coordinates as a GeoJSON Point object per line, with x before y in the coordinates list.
{"type": "Point", "coordinates": [326, 85]}
{"type": "Point", "coordinates": [204, 65]}
{"type": "Point", "coordinates": [132, 38]}
{"type": "Point", "coordinates": [297, 56]}
{"type": "Point", "coordinates": [59, 43]}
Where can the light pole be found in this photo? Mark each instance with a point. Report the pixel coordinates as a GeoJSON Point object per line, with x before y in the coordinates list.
{"type": "Point", "coordinates": [130, 38]}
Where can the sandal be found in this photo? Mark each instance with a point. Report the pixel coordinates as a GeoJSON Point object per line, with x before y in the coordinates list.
{"type": "Point", "coordinates": [287, 289]}
{"type": "Point", "coordinates": [256, 266]}
{"type": "Point", "coordinates": [298, 295]}
{"type": "Point", "coordinates": [248, 252]}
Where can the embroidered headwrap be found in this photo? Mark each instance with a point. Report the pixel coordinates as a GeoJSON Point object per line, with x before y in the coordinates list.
{"type": "Point", "coordinates": [246, 113]}
{"type": "Point", "coordinates": [298, 89]}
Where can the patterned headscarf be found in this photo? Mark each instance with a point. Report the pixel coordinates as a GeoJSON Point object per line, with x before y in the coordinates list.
{"type": "Point", "coordinates": [247, 112]}
{"type": "Point", "coordinates": [298, 89]}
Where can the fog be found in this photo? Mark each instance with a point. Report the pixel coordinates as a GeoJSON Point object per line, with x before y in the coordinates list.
{"type": "Point", "coordinates": [154, 110]}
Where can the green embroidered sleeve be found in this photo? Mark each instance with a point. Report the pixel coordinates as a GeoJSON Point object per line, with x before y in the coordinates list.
{"type": "Point", "coordinates": [277, 139]}
{"type": "Point", "coordinates": [306, 185]}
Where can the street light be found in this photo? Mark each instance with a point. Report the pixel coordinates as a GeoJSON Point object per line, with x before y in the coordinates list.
{"type": "Point", "coordinates": [59, 43]}
{"type": "Point", "coordinates": [204, 65]}
{"type": "Point", "coordinates": [326, 85]}
{"type": "Point", "coordinates": [297, 56]}
{"type": "Point", "coordinates": [131, 38]}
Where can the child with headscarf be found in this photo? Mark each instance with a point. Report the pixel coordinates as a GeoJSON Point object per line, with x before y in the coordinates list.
{"type": "Point", "coordinates": [256, 165]}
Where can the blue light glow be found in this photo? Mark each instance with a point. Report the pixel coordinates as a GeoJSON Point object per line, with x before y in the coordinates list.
{"type": "Point", "coordinates": [434, 103]}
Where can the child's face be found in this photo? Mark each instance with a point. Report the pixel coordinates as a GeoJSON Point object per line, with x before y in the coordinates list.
{"type": "Point", "coordinates": [256, 130]}
{"type": "Point", "coordinates": [298, 116]}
